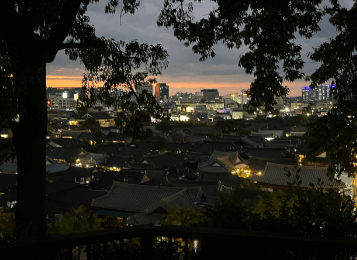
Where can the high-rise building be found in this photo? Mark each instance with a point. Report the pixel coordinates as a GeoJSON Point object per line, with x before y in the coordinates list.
{"type": "Point", "coordinates": [244, 96]}
{"type": "Point", "coordinates": [147, 87]}
{"type": "Point", "coordinates": [161, 92]}
{"type": "Point", "coordinates": [320, 93]}
{"type": "Point", "coordinates": [210, 94]}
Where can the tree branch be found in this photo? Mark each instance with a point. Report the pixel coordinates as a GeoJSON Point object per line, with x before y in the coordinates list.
{"type": "Point", "coordinates": [61, 29]}
{"type": "Point", "coordinates": [11, 30]}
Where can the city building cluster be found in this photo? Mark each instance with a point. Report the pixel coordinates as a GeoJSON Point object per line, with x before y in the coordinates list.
{"type": "Point", "coordinates": [185, 164]}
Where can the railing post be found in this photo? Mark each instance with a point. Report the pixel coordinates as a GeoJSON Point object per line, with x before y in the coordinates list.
{"type": "Point", "coordinates": [147, 252]}
{"type": "Point", "coordinates": [186, 248]}
{"type": "Point", "coordinates": [169, 251]}
{"type": "Point", "coordinates": [89, 253]}
{"type": "Point", "coordinates": [121, 249]}
{"type": "Point", "coordinates": [105, 250]}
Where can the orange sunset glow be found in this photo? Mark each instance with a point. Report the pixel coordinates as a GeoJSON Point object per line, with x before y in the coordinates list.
{"type": "Point", "coordinates": [224, 88]}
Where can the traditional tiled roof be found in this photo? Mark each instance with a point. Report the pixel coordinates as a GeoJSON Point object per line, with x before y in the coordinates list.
{"type": "Point", "coordinates": [141, 166]}
{"type": "Point", "coordinates": [156, 174]}
{"type": "Point", "coordinates": [164, 160]}
{"type": "Point", "coordinates": [136, 198]}
{"type": "Point", "coordinates": [173, 147]}
{"type": "Point", "coordinates": [226, 179]}
{"type": "Point", "coordinates": [75, 173]}
{"type": "Point", "coordinates": [200, 157]}
{"type": "Point", "coordinates": [153, 216]}
{"type": "Point", "coordinates": [116, 137]}
{"type": "Point", "coordinates": [203, 130]}
{"type": "Point", "coordinates": [221, 162]}
{"type": "Point", "coordinates": [258, 164]}
{"type": "Point", "coordinates": [197, 138]}
{"type": "Point", "coordinates": [63, 153]}
{"type": "Point", "coordinates": [84, 136]}
{"type": "Point", "coordinates": [65, 142]}
{"type": "Point", "coordinates": [110, 148]}
{"type": "Point", "coordinates": [251, 142]}
{"type": "Point", "coordinates": [137, 153]}
{"type": "Point", "coordinates": [80, 194]}
{"type": "Point", "coordinates": [117, 161]}
{"type": "Point", "coordinates": [54, 185]}
{"type": "Point", "coordinates": [210, 146]}
{"type": "Point", "coordinates": [56, 167]}
{"type": "Point", "coordinates": [216, 168]}
{"type": "Point", "coordinates": [264, 152]}
{"type": "Point", "coordinates": [130, 177]}
{"type": "Point", "coordinates": [276, 174]}
{"type": "Point", "coordinates": [278, 143]}
{"type": "Point", "coordinates": [9, 167]}
{"type": "Point", "coordinates": [209, 188]}
{"type": "Point", "coordinates": [272, 132]}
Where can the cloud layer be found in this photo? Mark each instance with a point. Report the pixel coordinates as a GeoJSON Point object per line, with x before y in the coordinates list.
{"type": "Point", "coordinates": [184, 66]}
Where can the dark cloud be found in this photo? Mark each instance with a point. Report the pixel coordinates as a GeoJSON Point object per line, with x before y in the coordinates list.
{"type": "Point", "coordinates": [183, 62]}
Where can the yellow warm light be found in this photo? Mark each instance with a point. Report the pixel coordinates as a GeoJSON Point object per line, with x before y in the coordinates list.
{"type": "Point", "coordinates": [189, 109]}
{"type": "Point", "coordinates": [4, 136]}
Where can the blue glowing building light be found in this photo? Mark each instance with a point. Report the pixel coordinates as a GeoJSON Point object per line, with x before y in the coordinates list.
{"type": "Point", "coordinates": [305, 88]}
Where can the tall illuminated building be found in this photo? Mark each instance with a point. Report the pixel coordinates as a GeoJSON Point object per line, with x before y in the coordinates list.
{"type": "Point", "coordinates": [320, 93]}
{"type": "Point", "coordinates": [161, 92]}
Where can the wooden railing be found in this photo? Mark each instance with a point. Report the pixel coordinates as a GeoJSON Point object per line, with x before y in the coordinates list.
{"type": "Point", "coordinates": [212, 244]}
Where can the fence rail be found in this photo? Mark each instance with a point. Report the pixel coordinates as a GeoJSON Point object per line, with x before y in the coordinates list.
{"type": "Point", "coordinates": [213, 243]}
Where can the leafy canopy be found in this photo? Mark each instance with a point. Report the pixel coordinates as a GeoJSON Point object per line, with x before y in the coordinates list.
{"type": "Point", "coordinates": [267, 28]}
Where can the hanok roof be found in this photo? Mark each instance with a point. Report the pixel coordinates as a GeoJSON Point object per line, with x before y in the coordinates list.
{"type": "Point", "coordinates": [9, 167]}
{"type": "Point", "coordinates": [84, 136]}
{"type": "Point", "coordinates": [227, 161]}
{"type": "Point", "coordinates": [63, 153]}
{"type": "Point", "coordinates": [258, 164]}
{"type": "Point", "coordinates": [116, 137]}
{"type": "Point", "coordinates": [156, 174]}
{"type": "Point", "coordinates": [93, 158]}
{"type": "Point", "coordinates": [164, 160]}
{"type": "Point", "coordinates": [264, 152]}
{"type": "Point", "coordinates": [136, 198]}
{"type": "Point", "coordinates": [56, 167]}
{"type": "Point", "coordinates": [226, 179]}
{"type": "Point", "coordinates": [273, 133]}
{"type": "Point", "coordinates": [130, 177]}
{"type": "Point", "coordinates": [110, 148]}
{"type": "Point", "coordinates": [80, 194]}
{"type": "Point", "coordinates": [210, 146]}
{"type": "Point", "coordinates": [137, 153]}
{"type": "Point", "coordinates": [200, 157]}
{"type": "Point", "coordinates": [65, 142]}
{"type": "Point", "coordinates": [279, 143]}
{"type": "Point", "coordinates": [209, 188]}
{"type": "Point", "coordinates": [203, 130]}
{"type": "Point", "coordinates": [74, 173]}
{"type": "Point", "coordinates": [276, 174]}
{"type": "Point", "coordinates": [153, 215]}
{"type": "Point", "coordinates": [117, 161]}
{"type": "Point", "coordinates": [54, 185]}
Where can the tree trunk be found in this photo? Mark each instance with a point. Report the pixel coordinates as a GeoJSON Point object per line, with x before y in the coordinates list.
{"type": "Point", "coordinates": [29, 141]}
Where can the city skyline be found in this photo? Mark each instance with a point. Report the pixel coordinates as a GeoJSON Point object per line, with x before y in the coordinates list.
{"type": "Point", "coordinates": [185, 71]}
